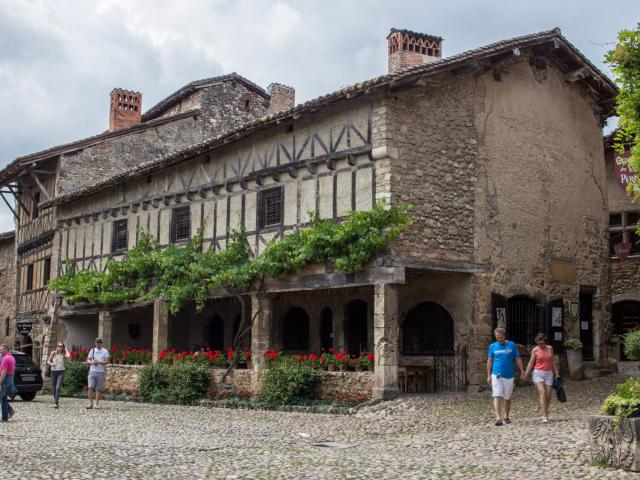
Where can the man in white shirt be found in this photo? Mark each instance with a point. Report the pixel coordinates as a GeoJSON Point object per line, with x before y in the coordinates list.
{"type": "Point", "coordinates": [98, 357]}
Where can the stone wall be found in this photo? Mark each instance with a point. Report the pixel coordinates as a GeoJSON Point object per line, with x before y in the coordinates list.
{"type": "Point", "coordinates": [625, 278]}
{"type": "Point", "coordinates": [125, 379]}
{"type": "Point", "coordinates": [7, 288]}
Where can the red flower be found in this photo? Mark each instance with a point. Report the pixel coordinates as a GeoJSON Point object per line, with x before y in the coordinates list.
{"type": "Point", "coordinates": [370, 356]}
{"type": "Point", "coordinates": [273, 356]}
{"type": "Point", "coordinates": [355, 361]}
{"type": "Point", "coordinates": [330, 349]}
{"type": "Point", "coordinates": [313, 357]}
{"type": "Point", "coordinates": [345, 360]}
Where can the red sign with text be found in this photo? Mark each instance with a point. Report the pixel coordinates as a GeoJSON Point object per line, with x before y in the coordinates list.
{"type": "Point", "coordinates": [624, 175]}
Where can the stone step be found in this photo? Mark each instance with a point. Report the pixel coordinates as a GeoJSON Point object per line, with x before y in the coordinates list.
{"type": "Point", "coordinates": [596, 371]}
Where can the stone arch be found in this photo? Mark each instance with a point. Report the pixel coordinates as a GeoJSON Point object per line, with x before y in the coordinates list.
{"type": "Point", "coordinates": [295, 330]}
{"type": "Point", "coordinates": [427, 329]}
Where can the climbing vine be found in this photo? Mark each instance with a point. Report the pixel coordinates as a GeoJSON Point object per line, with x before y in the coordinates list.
{"type": "Point", "coordinates": [625, 62]}
{"type": "Point", "coordinates": [183, 274]}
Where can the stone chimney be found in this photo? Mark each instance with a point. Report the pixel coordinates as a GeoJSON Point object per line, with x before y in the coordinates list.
{"type": "Point", "coordinates": [282, 98]}
{"type": "Point", "coordinates": [126, 108]}
{"type": "Point", "coordinates": [408, 49]}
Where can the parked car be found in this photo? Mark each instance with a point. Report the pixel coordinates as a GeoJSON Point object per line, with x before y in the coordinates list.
{"type": "Point", "coordinates": [28, 376]}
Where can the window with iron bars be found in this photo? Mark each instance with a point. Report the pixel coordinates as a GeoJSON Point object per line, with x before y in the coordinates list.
{"type": "Point", "coordinates": [180, 224]}
{"type": "Point", "coordinates": [622, 228]}
{"type": "Point", "coordinates": [119, 236]}
{"type": "Point", "coordinates": [271, 207]}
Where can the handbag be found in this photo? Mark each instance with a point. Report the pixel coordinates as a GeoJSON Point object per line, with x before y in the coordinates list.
{"type": "Point", "coordinates": [558, 386]}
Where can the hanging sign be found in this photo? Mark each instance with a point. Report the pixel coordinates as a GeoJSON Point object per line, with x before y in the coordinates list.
{"type": "Point", "coordinates": [24, 328]}
{"type": "Point", "coordinates": [574, 309]}
{"type": "Point", "coordinates": [623, 174]}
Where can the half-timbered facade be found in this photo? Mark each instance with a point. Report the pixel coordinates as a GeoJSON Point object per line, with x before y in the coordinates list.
{"type": "Point", "coordinates": [478, 143]}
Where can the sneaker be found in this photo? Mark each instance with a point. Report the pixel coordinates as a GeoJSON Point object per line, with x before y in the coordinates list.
{"type": "Point", "coordinates": [56, 406]}
{"type": "Point", "coordinates": [544, 420]}
{"type": "Point", "coordinates": [12, 413]}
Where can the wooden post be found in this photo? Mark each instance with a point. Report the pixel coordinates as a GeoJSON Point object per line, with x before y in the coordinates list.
{"type": "Point", "coordinates": [385, 337]}
{"type": "Point", "coordinates": [160, 328]}
{"type": "Point", "coordinates": [105, 327]}
{"type": "Point", "coordinates": [260, 337]}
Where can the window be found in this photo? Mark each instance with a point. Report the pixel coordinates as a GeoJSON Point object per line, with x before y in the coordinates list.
{"type": "Point", "coordinates": [180, 224]}
{"type": "Point", "coordinates": [29, 277]}
{"type": "Point", "coordinates": [34, 210]}
{"type": "Point", "coordinates": [46, 274]}
{"type": "Point", "coordinates": [622, 228]}
{"type": "Point", "coordinates": [119, 236]}
{"type": "Point", "coordinates": [271, 207]}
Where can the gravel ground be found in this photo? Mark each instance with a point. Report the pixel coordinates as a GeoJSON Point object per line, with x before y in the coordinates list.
{"type": "Point", "coordinates": [429, 436]}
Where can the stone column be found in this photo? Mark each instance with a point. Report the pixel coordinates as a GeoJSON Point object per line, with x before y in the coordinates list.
{"type": "Point", "coordinates": [385, 337]}
{"type": "Point", "coordinates": [314, 329]}
{"type": "Point", "coordinates": [105, 327]}
{"type": "Point", "coordinates": [260, 338]}
{"type": "Point", "coordinates": [160, 328]}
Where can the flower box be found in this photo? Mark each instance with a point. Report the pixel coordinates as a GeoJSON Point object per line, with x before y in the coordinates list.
{"type": "Point", "coordinates": [615, 441]}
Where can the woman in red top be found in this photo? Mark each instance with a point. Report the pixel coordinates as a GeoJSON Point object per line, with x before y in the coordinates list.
{"type": "Point", "coordinates": [544, 369]}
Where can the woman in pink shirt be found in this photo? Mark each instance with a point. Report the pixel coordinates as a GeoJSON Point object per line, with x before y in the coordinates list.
{"type": "Point", "coordinates": [545, 370]}
{"type": "Point", "coordinates": [7, 369]}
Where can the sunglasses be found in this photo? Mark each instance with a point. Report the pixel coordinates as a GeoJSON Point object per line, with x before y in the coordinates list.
{"type": "Point", "coordinates": [60, 346]}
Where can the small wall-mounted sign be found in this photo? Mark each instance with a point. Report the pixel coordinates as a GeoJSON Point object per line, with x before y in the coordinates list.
{"type": "Point", "coordinates": [556, 316]}
{"type": "Point", "coordinates": [24, 328]}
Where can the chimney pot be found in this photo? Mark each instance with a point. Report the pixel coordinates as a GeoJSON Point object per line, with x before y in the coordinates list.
{"type": "Point", "coordinates": [125, 108]}
{"type": "Point", "coordinates": [408, 49]}
{"type": "Point", "coordinates": [283, 98]}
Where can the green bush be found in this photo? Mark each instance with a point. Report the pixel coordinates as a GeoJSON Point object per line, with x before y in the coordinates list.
{"type": "Point", "coordinates": [626, 401]}
{"type": "Point", "coordinates": [573, 344]}
{"type": "Point", "coordinates": [75, 378]}
{"type": "Point", "coordinates": [287, 384]}
{"type": "Point", "coordinates": [187, 382]}
{"type": "Point", "coordinates": [154, 382]}
{"type": "Point", "coordinates": [632, 344]}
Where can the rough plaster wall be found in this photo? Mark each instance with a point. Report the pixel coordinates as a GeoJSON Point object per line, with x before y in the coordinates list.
{"type": "Point", "coordinates": [189, 103]}
{"type": "Point", "coordinates": [7, 289]}
{"type": "Point", "coordinates": [541, 188]}
{"type": "Point", "coordinates": [432, 128]}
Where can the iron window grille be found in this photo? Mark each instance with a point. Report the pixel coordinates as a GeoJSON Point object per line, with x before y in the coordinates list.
{"type": "Point", "coordinates": [119, 236]}
{"type": "Point", "coordinates": [622, 228]}
{"type": "Point", "coordinates": [181, 224]}
{"type": "Point", "coordinates": [271, 207]}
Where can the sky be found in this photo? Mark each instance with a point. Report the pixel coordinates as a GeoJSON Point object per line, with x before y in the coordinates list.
{"type": "Point", "coordinates": [60, 59]}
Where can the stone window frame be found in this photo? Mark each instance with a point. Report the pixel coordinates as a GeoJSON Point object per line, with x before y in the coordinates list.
{"type": "Point", "coordinates": [119, 236]}
{"type": "Point", "coordinates": [625, 227]}
{"type": "Point", "coordinates": [270, 209]}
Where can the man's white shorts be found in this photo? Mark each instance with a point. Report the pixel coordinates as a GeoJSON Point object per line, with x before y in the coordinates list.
{"type": "Point", "coordinates": [543, 376]}
{"type": "Point", "coordinates": [502, 387]}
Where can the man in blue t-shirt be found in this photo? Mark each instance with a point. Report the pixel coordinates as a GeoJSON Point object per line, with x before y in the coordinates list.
{"type": "Point", "coordinates": [501, 372]}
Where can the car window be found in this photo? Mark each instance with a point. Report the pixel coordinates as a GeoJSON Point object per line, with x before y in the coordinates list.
{"type": "Point", "coordinates": [23, 361]}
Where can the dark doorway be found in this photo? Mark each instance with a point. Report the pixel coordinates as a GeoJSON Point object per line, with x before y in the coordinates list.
{"type": "Point", "coordinates": [326, 328]}
{"type": "Point", "coordinates": [427, 329]}
{"type": "Point", "coordinates": [525, 319]}
{"type": "Point", "coordinates": [586, 325]}
{"type": "Point", "coordinates": [356, 326]}
{"type": "Point", "coordinates": [27, 346]}
{"type": "Point", "coordinates": [296, 330]}
{"type": "Point", "coordinates": [216, 333]}
{"type": "Point", "coordinates": [625, 316]}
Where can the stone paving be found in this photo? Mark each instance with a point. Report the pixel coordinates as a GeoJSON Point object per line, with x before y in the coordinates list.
{"type": "Point", "coordinates": [422, 437]}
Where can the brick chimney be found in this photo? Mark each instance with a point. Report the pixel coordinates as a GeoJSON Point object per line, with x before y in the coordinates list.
{"type": "Point", "coordinates": [126, 108]}
{"type": "Point", "coordinates": [408, 49]}
{"type": "Point", "coordinates": [282, 98]}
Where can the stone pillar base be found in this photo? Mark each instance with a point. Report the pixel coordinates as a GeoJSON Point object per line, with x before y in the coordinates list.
{"type": "Point", "coordinates": [386, 393]}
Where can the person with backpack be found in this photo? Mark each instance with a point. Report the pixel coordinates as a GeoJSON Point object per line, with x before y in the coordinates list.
{"type": "Point", "coordinates": [545, 371]}
{"type": "Point", "coordinates": [56, 362]}
{"type": "Point", "coordinates": [98, 357]}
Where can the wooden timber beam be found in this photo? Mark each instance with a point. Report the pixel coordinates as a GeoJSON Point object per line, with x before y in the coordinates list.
{"type": "Point", "coordinates": [17, 197]}
{"type": "Point", "coordinates": [40, 186]}
{"type": "Point", "coordinates": [578, 74]}
{"type": "Point", "coordinates": [9, 205]}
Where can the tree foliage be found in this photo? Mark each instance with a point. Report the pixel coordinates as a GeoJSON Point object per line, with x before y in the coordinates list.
{"type": "Point", "coordinates": [183, 274]}
{"type": "Point", "coordinates": [625, 62]}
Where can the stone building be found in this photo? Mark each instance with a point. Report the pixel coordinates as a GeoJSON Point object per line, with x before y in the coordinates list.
{"type": "Point", "coordinates": [624, 249]}
{"type": "Point", "coordinates": [479, 143]}
{"type": "Point", "coordinates": [7, 288]}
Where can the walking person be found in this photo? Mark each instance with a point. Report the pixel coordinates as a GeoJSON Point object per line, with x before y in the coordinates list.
{"type": "Point", "coordinates": [545, 370]}
{"type": "Point", "coordinates": [502, 355]}
{"type": "Point", "coordinates": [7, 370]}
{"type": "Point", "coordinates": [98, 357]}
{"type": "Point", "coordinates": [57, 361]}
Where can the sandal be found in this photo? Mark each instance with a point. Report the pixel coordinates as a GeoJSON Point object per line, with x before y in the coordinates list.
{"type": "Point", "coordinates": [89, 407]}
{"type": "Point", "coordinates": [507, 420]}
{"type": "Point", "coordinates": [498, 423]}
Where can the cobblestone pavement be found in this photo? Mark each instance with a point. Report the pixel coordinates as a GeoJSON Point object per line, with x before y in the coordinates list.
{"type": "Point", "coordinates": [433, 436]}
